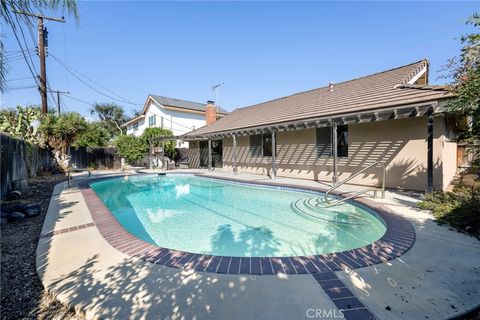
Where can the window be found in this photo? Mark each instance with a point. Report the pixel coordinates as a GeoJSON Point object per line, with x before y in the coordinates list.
{"type": "Point", "coordinates": [161, 122]}
{"type": "Point", "coordinates": [324, 141]}
{"type": "Point", "coordinates": [256, 145]}
{"type": "Point", "coordinates": [135, 126]}
{"type": "Point", "coordinates": [267, 144]}
{"type": "Point", "coordinates": [342, 141]}
{"type": "Point", "coordinates": [261, 144]}
{"type": "Point", "coordinates": [152, 121]}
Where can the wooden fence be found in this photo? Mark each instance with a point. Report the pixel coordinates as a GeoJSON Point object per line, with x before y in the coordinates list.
{"type": "Point", "coordinates": [21, 160]}
{"type": "Point", "coordinates": [101, 158]}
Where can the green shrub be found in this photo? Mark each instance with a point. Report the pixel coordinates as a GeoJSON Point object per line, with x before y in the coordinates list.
{"type": "Point", "coordinates": [459, 208]}
{"type": "Point", "coordinates": [153, 134]}
{"type": "Point", "coordinates": [131, 148]}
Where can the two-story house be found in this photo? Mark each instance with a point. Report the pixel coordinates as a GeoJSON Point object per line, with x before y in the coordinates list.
{"type": "Point", "coordinates": [179, 116]}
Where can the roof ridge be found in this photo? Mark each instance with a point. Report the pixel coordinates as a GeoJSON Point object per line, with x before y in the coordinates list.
{"type": "Point", "coordinates": [165, 97]}
{"type": "Point", "coordinates": [342, 82]}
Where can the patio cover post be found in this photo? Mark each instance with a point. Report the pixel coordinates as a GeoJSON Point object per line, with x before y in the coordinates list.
{"type": "Point", "coordinates": [334, 152]}
{"type": "Point", "coordinates": [274, 156]}
{"type": "Point", "coordinates": [235, 169]}
{"type": "Point", "coordinates": [163, 154]}
{"type": "Point", "coordinates": [150, 151]}
{"type": "Point", "coordinates": [429, 188]}
{"type": "Point", "coordinates": [209, 154]}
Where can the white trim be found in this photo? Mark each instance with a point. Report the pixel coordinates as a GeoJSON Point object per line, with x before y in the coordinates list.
{"type": "Point", "coordinates": [421, 73]}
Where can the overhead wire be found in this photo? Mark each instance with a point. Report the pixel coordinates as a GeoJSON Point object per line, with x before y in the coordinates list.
{"type": "Point", "coordinates": [75, 72]}
{"type": "Point", "coordinates": [25, 40]}
{"type": "Point", "coordinates": [23, 50]}
{"type": "Point", "coordinates": [18, 79]}
{"type": "Point", "coordinates": [79, 100]}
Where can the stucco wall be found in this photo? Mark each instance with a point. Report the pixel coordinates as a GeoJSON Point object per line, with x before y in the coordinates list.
{"type": "Point", "coordinates": [400, 144]}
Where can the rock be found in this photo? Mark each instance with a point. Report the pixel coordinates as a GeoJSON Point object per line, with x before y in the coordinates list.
{"type": "Point", "coordinates": [388, 308]}
{"type": "Point", "coordinates": [16, 216]}
{"type": "Point", "coordinates": [16, 207]}
{"type": "Point", "coordinates": [13, 195]}
{"type": "Point", "coordinates": [32, 210]}
{"type": "Point", "coordinates": [3, 221]}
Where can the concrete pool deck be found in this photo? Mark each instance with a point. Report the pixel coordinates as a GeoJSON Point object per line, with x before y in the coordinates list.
{"type": "Point", "coordinates": [438, 278]}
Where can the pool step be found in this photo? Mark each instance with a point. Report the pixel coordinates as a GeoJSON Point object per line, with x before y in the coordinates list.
{"type": "Point", "coordinates": [315, 209]}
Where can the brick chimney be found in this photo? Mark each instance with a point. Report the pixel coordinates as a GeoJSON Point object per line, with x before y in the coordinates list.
{"type": "Point", "coordinates": [210, 112]}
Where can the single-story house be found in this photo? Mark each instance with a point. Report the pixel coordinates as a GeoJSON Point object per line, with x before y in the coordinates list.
{"type": "Point", "coordinates": [394, 118]}
{"type": "Point", "coordinates": [180, 116]}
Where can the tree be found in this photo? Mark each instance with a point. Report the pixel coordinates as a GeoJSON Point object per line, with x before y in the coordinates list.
{"type": "Point", "coordinates": [11, 19]}
{"type": "Point", "coordinates": [131, 148]}
{"type": "Point", "coordinates": [465, 72]}
{"type": "Point", "coordinates": [95, 135]}
{"type": "Point", "coordinates": [111, 116]}
{"type": "Point", "coordinates": [60, 132]}
{"type": "Point", "coordinates": [152, 134]}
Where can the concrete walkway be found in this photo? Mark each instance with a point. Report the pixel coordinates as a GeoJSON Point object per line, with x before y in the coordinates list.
{"type": "Point", "coordinates": [437, 279]}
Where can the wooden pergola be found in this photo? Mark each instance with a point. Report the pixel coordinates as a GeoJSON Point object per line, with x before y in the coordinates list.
{"type": "Point", "coordinates": [399, 112]}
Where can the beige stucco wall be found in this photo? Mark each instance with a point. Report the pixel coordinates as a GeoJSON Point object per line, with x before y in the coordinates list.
{"type": "Point", "coordinates": [400, 144]}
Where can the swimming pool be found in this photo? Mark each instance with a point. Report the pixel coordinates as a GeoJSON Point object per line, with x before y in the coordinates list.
{"type": "Point", "coordinates": [206, 216]}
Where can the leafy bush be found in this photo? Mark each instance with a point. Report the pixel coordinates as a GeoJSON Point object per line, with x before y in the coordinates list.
{"type": "Point", "coordinates": [131, 148]}
{"type": "Point", "coordinates": [153, 133]}
{"type": "Point", "coordinates": [94, 136]}
{"type": "Point", "coordinates": [460, 208]}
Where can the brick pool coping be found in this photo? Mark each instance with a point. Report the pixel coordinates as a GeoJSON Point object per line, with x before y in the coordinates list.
{"type": "Point", "coordinates": [398, 239]}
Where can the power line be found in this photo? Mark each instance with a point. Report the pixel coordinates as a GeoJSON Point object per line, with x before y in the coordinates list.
{"type": "Point", "coordinates": [23, 87]}
{"type": "Point", "coordinates": [25, 41]}
{"type": "Point", "coordinates": [42, 33]}
{"type": "Point", "coordinates": [79, 100]}
{"type": "Point", "coordinates": [18, 79]}
{"type": "Point", "coordinates": [73, 72]}
{"type": "Point", "coordinates": [23, 53]}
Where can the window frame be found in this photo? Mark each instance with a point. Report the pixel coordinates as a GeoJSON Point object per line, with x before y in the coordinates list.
{"type": "Point", "coordinates": [254, 151]}
{"type": "Point", "coordinates": [342, 145]}
{"type": "Point", "coordinates": [264, 149]}
{"type": "Point", "coordinates": [258, 148]}
{"type": "Point", "coordinates": [152, 120]}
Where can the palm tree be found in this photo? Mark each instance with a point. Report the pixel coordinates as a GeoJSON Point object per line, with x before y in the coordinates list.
{"type": "Point", "coordinates": [8, 17]}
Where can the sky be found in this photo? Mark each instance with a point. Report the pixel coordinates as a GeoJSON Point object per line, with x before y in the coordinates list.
{"type": "Point", "coordinates": [259, 50]}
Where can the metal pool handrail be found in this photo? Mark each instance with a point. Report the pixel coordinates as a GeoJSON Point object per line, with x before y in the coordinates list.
{"type": "Point", "coordinates": [375, 189]}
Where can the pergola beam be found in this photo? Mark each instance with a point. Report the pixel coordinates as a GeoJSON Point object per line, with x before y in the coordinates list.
{"type": "Point", "coordinates": [274, 156]}
{"type": "Point", "coordinates": [399, 112]}
{"type": "Point", "coordinates": [210, 155]}
{"type": "Point", "coordinates": [234, 150]}
{"type": "Point", "coordinates": [429, 188]}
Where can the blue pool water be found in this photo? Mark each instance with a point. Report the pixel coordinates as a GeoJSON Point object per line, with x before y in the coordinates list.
{"type": "Point", "coordinates": [208, 216]}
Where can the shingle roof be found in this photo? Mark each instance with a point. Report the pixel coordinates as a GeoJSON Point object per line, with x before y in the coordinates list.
{"type": "Point", "coordinates": [173, 102]}
{"type": "Point", "coordinates": [378, 91]}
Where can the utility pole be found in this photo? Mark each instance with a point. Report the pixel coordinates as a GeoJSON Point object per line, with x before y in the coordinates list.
{"type": "Point", "coordinates": [41, 54]}
{"type": "Point", "coordinates": [58, 98]}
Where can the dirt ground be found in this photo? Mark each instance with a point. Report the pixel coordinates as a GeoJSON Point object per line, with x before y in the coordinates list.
{"type": "Point", "coordinates": [22, 294]}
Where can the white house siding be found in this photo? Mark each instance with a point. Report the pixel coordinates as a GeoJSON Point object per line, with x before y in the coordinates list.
{"type": "Point", "coordinates": [176, 121]}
